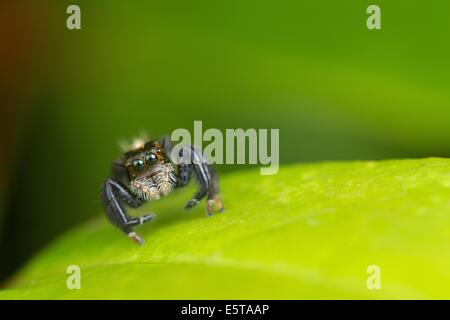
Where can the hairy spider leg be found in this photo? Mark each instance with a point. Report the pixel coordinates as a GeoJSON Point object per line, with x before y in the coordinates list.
{"type": "Point", "coordinates": [115, 195]}
{"type": "Point", "coordinates": [208, 184]}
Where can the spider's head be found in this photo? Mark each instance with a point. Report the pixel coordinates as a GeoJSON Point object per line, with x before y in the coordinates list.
{"type": "Point", "coordinates": [144, 159]}
{"type": "Point", "coordinates": [150, 172]}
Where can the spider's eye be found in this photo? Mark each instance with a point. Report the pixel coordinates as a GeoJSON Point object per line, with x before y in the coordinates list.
{"type": "Point", "coordinates": [138, 164]}
{"type": "Point", "coordinates": [150, 158]}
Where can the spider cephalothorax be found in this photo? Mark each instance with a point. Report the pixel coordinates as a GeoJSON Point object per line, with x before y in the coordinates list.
{"type": "Point", "coordinates": [150, 172]}
{"type": "Point", "coordinates": [146, 173]}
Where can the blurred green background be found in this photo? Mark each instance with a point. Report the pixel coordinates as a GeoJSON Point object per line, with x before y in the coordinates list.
{"type": "Point", "coordinates": [335, 89]}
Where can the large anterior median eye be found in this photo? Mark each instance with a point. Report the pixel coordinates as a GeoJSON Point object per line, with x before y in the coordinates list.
{"type": "Point", "coordinates": [150, 158]}
{"type": "Point", "coordinates": [138, 164]}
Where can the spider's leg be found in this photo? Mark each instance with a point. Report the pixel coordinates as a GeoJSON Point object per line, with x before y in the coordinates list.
{"type": "Point", "coordinates": [196, 198]}
{"type": "Point", "coordinates": [214, 194]}
{"type": "Point", "coordinates": [120, 178]}
{"type": "Point", "coordinates": [192, 161]}
{"type": "Point", "coordinates": [207, 181]}
{"type": "Point", "coordinates": [114, 197]}
{"type": "Point", "coordinates": [184, 174]}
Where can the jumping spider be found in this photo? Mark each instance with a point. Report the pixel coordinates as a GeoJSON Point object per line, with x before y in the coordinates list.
{"type": "Point", "coordinates": [146, 173]}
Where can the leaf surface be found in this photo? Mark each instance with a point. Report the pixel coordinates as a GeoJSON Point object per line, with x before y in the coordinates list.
{"type": "Point", "coordinates": [311, 231]}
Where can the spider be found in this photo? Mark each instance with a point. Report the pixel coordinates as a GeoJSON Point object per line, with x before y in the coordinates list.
{"type": "Point", "coordinates": [147, 173]}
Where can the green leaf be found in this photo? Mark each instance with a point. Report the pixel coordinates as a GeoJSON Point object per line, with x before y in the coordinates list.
{"type": "Point", "coordinates": [311, 231]}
